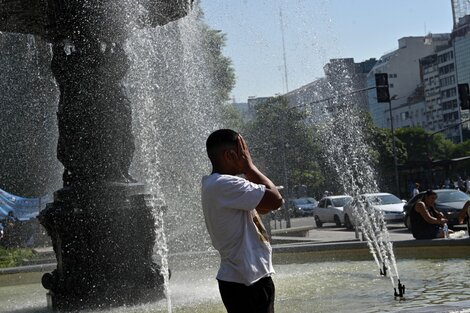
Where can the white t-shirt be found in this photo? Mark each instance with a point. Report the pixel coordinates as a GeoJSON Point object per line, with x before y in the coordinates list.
{"type": "Point", "coordinates": [236, 231]}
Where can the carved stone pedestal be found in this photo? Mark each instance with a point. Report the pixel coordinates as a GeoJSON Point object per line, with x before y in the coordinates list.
{"type": "Point", "coordinates": [103, 238]}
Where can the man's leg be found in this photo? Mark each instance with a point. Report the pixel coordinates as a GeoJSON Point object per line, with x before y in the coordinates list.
{"type": "Point", "coordinates": [263, 291]}
{"type": "Point", "coordinates": [257, 298]}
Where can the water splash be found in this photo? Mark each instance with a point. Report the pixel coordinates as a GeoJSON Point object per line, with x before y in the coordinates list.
{"type": "Point", "coordinates": [340, 130]}
{"type": "Point", "coordinates": [175, 107]}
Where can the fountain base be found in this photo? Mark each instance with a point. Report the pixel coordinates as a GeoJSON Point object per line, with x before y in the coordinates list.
{"type": "Point", "coordinates": [103, 236]}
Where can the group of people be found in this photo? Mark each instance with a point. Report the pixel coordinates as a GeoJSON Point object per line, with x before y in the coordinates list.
{"type": "Point", "coordinates": [459, 183]}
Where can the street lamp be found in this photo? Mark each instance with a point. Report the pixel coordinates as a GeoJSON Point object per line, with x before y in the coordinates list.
{"type": "Point", "coordinates": [383, 96]}
{"type": "Point", "coordinates": [395, 163]}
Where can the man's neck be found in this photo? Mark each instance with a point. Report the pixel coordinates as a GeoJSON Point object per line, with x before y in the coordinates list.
{"type": "Point", "coordinates": [222, 170]}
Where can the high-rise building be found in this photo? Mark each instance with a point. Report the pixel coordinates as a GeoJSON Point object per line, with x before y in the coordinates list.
{"type": "Point", "coordinates": [403, 69]}
{"type": "Point", "coordinates": [460, 8]}
{"type": "Point", "coordinates": [461, 43]}
{"type": "Point", "coordinates": [441, 74]}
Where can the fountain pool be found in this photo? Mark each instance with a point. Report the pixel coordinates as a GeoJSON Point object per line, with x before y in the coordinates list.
{"type": "Point", "coordinates": [302, 285]}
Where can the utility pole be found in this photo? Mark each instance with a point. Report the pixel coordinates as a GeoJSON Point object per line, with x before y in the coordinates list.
{"type": "Point", "coordinates": [397, 179]}
{"type": "Point", "coordinates": [383, 96]}
{"type": "Point", "coordinates": [284, 49]}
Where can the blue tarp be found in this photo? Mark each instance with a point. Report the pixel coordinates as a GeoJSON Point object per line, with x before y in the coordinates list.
{"type": "Point", "coordinates": [23, 208]}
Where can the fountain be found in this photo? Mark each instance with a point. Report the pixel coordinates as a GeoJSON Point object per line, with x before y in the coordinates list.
{"type": "Point", "coordinates": [340, 129]}
{"type": "Point", "coordinates": [302, 282]}
{"type": "Point", "coordinates": [102, 221]}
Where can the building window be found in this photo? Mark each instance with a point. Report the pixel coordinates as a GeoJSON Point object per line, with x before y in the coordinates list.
{"type": "Point", "coordinates": [449, 68]}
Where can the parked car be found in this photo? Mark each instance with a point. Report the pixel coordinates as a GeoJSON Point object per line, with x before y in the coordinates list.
{"type": "Point", "coordinates": [302, 206]}
{"type": "Point", "coordinates": [389, 204]}
{"type": "Point", "coordinates": [330, 210]}
{"type": "Point", "coordinates": [449, 202]}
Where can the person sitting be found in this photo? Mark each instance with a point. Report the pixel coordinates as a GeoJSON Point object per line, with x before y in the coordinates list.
{"type": "Point", "coordinates": [426, 221]}
{"type": "Point", "coordinates": [10, 219]}
{"type": "Point", "coordinates": [465, 213]}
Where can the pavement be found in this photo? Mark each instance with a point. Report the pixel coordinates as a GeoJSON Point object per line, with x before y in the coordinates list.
{"type": "Point", "coordinates": [332, 243]}
{"type": "Point", "coordinates": [330, 233]}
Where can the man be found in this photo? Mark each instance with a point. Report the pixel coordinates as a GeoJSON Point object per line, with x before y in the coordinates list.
{"type": "Point", "coordinates": [231, 205]}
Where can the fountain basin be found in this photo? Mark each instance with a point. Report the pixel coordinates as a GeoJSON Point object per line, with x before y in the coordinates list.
{"type": "Point", "coordinates": [338, 277]}
{"type": "Point", "coordinates": [358, 250]}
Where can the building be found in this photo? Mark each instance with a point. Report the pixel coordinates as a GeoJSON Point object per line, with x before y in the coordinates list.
{"type": "Point", "coordinates": [441, 74]}
{"type": "Point", "coordinates": [343, 77]}
{"type": "Point", "coordinates": [403, 69]}
{"type": "Point", "coordinates": [432, 95]}
{"type": "Point", "coordinates": [460, 8]}
{"type": "Point", "coordinates": [461, 41]}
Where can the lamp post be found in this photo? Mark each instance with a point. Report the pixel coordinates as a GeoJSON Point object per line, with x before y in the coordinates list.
{"type": "Point", "coordinates": [395, 163]}
{"type": "Point", "coordinates": [383, 96]}
{"type": "Point", "coordinates": [286, 184]}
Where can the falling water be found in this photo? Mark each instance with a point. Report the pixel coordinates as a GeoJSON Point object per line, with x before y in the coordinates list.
{"type": "Point", "coordinates": [174, 109]}
{"type": "Point", "coordinates": [28, 141]}
{"type": "Point", "coordinates": [341, 132]}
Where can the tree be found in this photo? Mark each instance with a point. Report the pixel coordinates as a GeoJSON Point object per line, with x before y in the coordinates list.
{"type": "Point", "coordinates": [220, 66]}
{"type": "Point", "coordinates": [232, 118]}
{"type": "Point", "coordinates": [422, 146]}
{"type": "Point", "coordinates": [461, 150]}
{"type": "Point", "coordinates": [283, 145]}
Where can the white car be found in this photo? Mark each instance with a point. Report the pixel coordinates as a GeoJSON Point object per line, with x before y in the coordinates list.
{"type": "Point", "coordinates": [390, 205]}
{"type": "Point", "coordinates": [330, 210]}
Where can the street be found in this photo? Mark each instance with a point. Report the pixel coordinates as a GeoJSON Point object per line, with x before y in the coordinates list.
{"type": "Point", "coordinates": [331, 233]}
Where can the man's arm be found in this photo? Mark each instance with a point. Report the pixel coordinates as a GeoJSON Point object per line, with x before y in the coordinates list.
{"type": "Point", "coordinates": [463, 213]}
{"type": "Point", "coordinates": [272, 199]}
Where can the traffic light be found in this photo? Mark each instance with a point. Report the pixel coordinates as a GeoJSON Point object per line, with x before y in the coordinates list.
{"type": "Point", "coordinates": [381, 85]}
{"type": "Point", "coordinates": [464, 96]}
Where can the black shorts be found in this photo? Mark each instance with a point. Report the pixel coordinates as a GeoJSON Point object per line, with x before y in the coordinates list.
{"type": "Point", "coordinates": [431, 232]}
{"type": "Point", "coordinates": [256, 298]}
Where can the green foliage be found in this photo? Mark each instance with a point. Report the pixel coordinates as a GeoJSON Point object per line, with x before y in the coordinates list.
{"type": "Point", "coordinates": [461, 150]}
{"type": "Point", "coordinates": [232, 118]}
{"type": "Point", "coordinates": [421, 145]}
{"type": "Point", "coordinates": [219, 65]}
{"type": "Point", "coordinates": [283, 145]}
{"type": "Point", "coordinates": [13, 257]}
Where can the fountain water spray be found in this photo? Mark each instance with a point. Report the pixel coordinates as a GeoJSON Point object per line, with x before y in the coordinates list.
{"type": "Point", "coordinates": [176, 106]}
{"type": "Point", "coordinates": [339, 126]}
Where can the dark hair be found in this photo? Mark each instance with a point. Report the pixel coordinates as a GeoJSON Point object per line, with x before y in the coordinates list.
{"type": "Point", "coordinates": [430, 192]}
{"type": "Point", "coordinates": [220, 140]}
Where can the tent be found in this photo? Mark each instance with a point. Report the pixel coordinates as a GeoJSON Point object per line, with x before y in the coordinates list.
{"type": "Point", "coordinates": [23, 208]}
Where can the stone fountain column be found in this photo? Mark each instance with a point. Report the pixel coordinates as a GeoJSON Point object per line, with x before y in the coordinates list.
{"type": "Point", "coordinates": [101, 222]}
{"type": "Point", "coordinates": [102, 228]}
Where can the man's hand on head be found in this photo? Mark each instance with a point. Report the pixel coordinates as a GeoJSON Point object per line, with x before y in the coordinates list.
{"type": "Point", "coordinates": [245, 162]}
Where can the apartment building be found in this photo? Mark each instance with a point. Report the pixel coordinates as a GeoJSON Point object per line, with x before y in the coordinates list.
{"type": "Point", "coordinates": [403, 69]}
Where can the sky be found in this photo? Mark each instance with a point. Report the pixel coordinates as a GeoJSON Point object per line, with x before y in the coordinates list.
{"type": "Point", "coordinates": [315, 31]}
